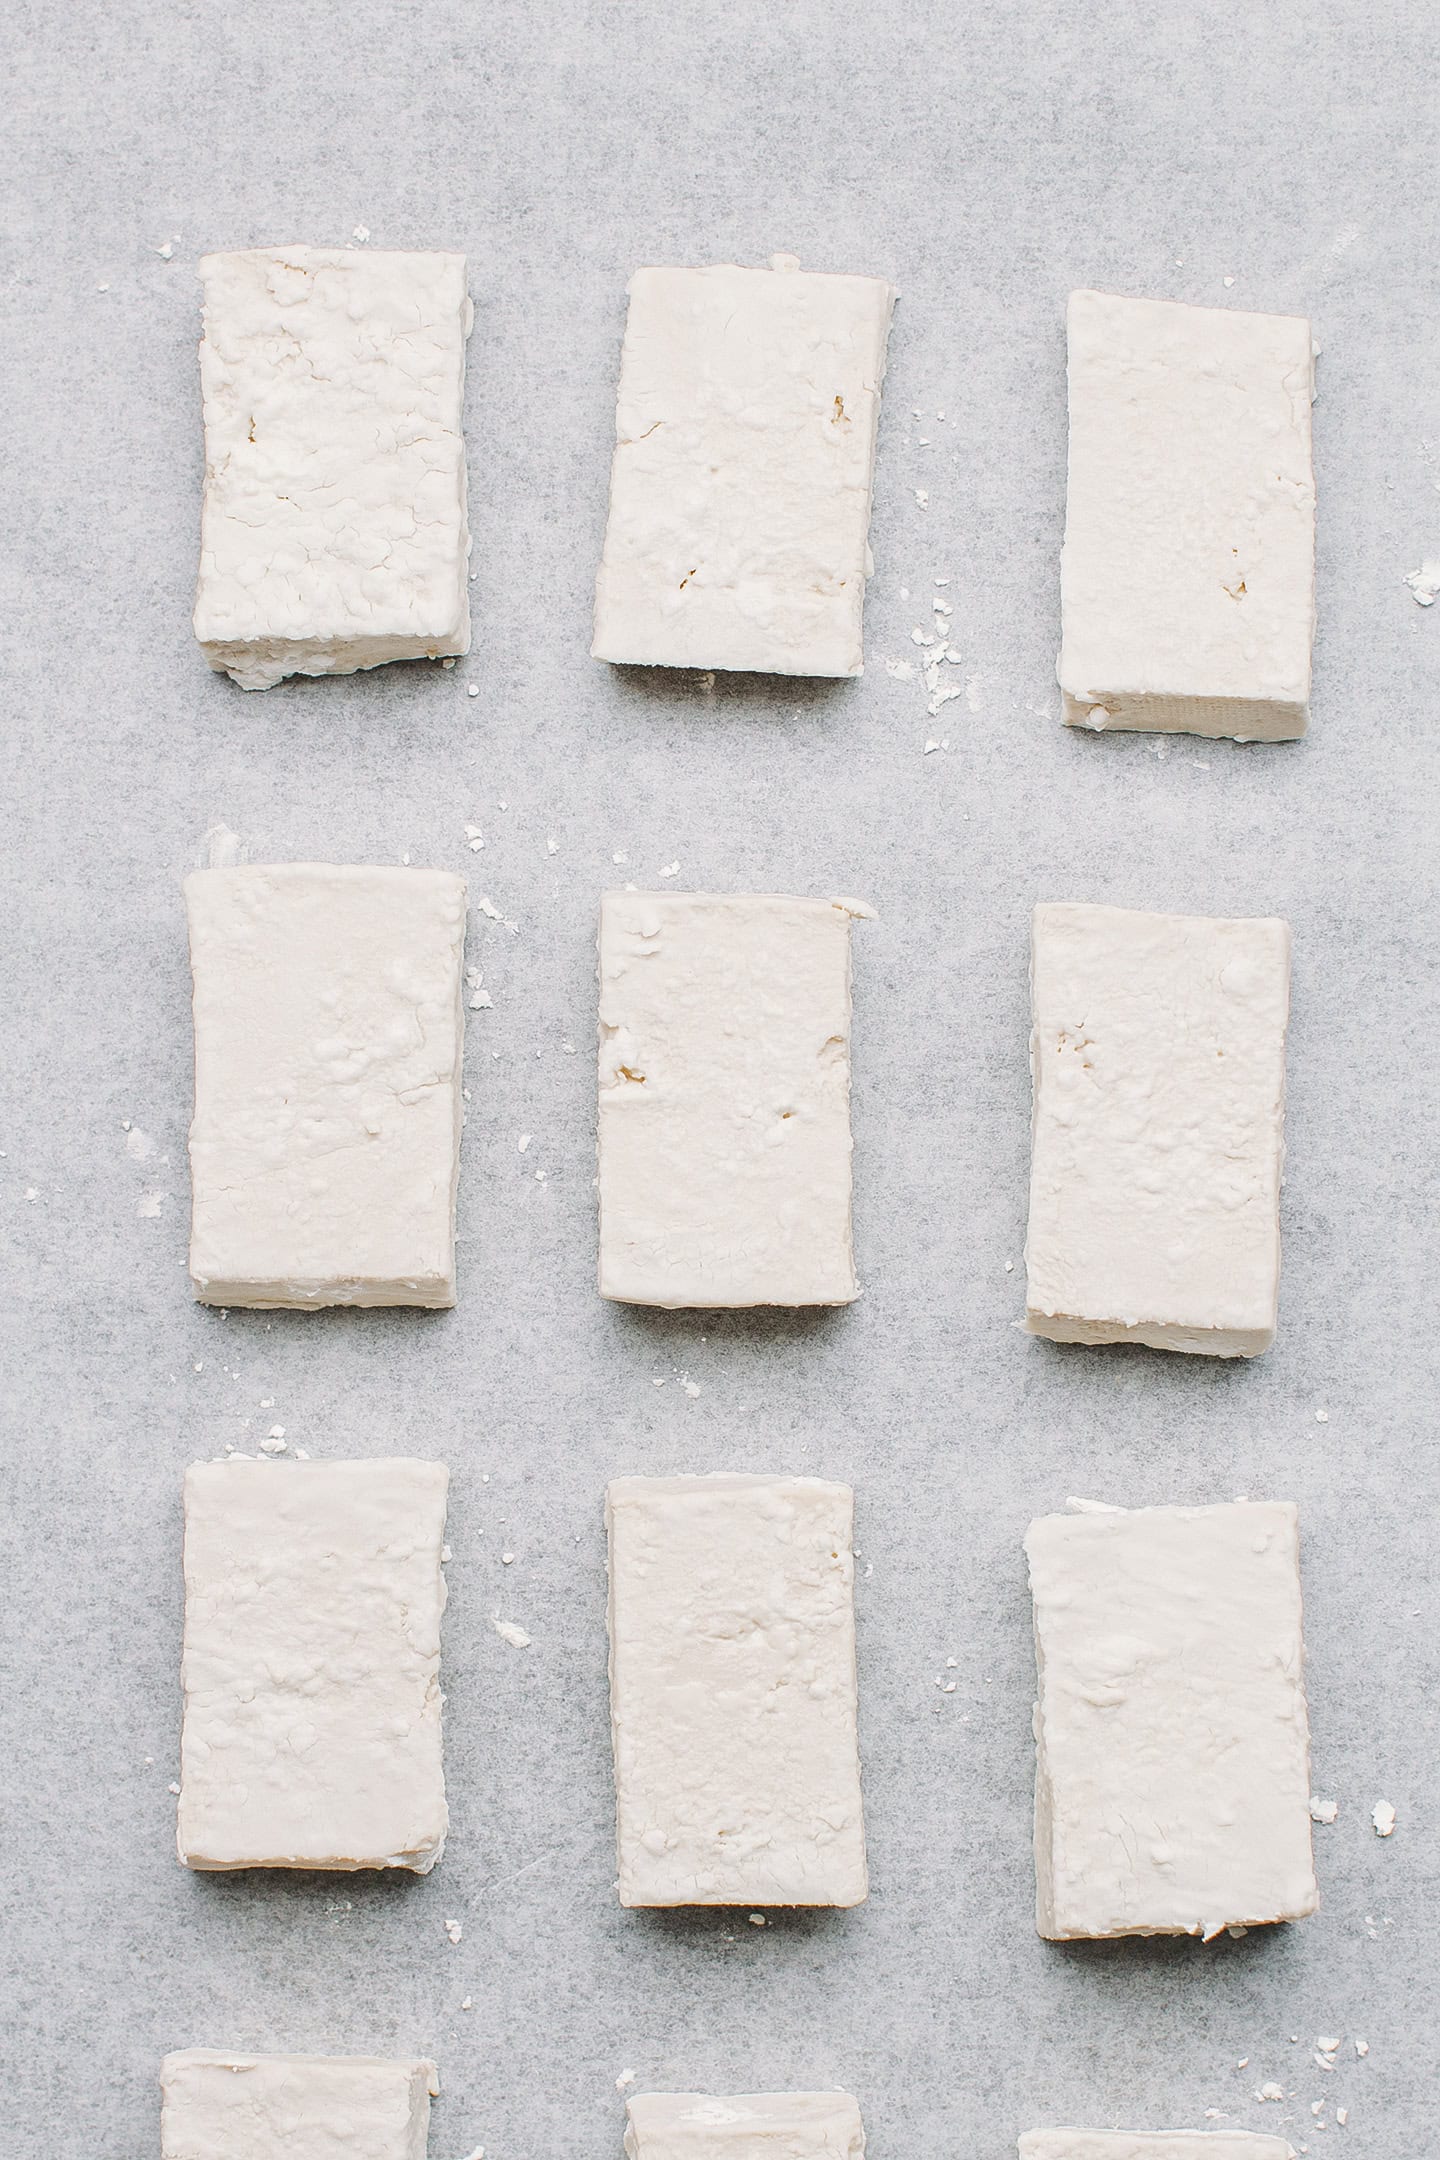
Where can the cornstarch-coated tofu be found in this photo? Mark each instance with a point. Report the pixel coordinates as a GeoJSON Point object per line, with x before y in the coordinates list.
{"type": "Point", "coordinates": [1172, 1774]}
{"type": "Point", "coordinates": [222, 2106]}
{"type": "Point", "coordinates": [744, 460]}
{"type": "Point", "coordinates": [732, 1691]}
{"type": "Point", "coordinates": [1187, 577]}
{"type": "Point", "coordinates": [749, 2126]}
{"type": "Point", "coordinates": [311, 1669]}
{"type": "Point", "coordinates": [1158, 1060]}
{"type": "Point", "coordinates": [333, 532]}
{"type": "Point", "coordinates": [325, 1145]}
{"type": "Point", "coordinates": [725, 1099]}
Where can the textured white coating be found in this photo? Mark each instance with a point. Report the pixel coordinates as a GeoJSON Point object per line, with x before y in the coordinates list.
{"type": "Point", "coordinates": [724, 1118]}
{"type": "Point", "coordinates": [744, 2126]}
{"type": "Point", "coordinates": [1187, 576]}
{"type": "Point", "coordinates": [313, 1596]}
{"type": "Point", "coordinates": [1158, 1060]}
{"type": "Point", "coordinates": [333, 532]}
{"type": "Point", "coordinates": [1172, 1775]}
{"type": "Point", "coordinates": [1152, 2145]}
{"type": "Point", "coordinates": [219, 2105]}
{"type": "Point", "coordinates": [732, 1691]}
{"type": "Point", "coordinates": [744, 460]}
{"type": "Point", "coordinates": [326, 1138]}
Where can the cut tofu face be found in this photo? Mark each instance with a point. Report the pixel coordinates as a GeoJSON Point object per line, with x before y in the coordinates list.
{"type": "Point", "coordinates": [745, 452]}
{"type": "Point", "coordinates": [1172, 1780]}
{"type": "Point", "coordinates": [1187, 577]}
{"type": "Point", "coordinates": [724, 1111]}
{"type": "Point", "coordinates": [224, 2106]}
{"type": "Point", "coordinates": [747, 2126]}
{"type": "Point", "coordinates": [1152, 2145]}
{"type": "Point", "coordinates": [732, 1691]}
{"type": "Point", "coordinates": [325, 1144]}
{"type": "Point", "coordinates": [313, 1596]}
{"type": "Point", "coordinates": [1158, 1060]}
{"type": "Point", "coordinates": [333, 525]}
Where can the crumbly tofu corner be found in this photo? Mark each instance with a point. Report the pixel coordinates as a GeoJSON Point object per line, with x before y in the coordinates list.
{"type": "Point", "coordinates": [325, 1145]}
{"type": "Point", "coordinates": [220, 2105]}
{"type": "Point", "coordinates": [1172, 1744]}
{"type": "Point", "coordinates": [701, 2126]}
{"type": "Point", "coordinates": [311, 1667]}
{"type": "Point", "coordinates": [333, 529]}
{"type": "Point", "coordinates": [1187, 576]}
{"type": "Point", "coordinates": [1158, 1062]}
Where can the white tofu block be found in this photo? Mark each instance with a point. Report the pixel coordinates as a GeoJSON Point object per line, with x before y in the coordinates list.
{"type": "Point", "coordinates": [1158, 1060]}
{"type": "Point", "coordinates": [1152, 2145]}
{"type": "Point", "coordinates": [732, 1691]}
{"type": "Point", "coordinates": [1172, 1776]}
{"type": "Point", "coordinates": [325, 1144]}
{"type": "Point", "coordinates": [311, 1735]}
{"type": "Point", "coordinates": [217, 2105]}
{"type": "Point", "coordinates": [1187, 578]}
{"type": "Point", "coordinates": [725, 1099]}
{"type": "Point", "coordinates": [747, 2126]}
{"type": "Point", "coordinates": [333, 533]}
{"type": "Point", "coordinates": [744, 461]}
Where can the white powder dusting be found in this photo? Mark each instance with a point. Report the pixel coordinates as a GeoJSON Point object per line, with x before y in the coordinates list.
{"type": "Point", "coordinates": [147, 1207]}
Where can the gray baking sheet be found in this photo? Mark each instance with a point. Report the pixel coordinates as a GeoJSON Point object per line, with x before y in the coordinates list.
{"type": "Point", "coordinates": [987, 160]}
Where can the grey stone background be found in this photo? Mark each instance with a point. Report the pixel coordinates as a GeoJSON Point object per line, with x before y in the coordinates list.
{"type": "Point", "coordinates": [986, 159]}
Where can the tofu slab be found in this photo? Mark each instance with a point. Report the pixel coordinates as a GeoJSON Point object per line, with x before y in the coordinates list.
{"type": "Point", "coordinates": [1158, 1060]}
{"type": "Point", "coordinates": [1187, 578]}
{"type": "Point", "coordinates": [325, 1145]}
{"type": "Point", "coordinates": [744, 459]}
{"type": "Point", "coordinates": [333, 533]}
{"type": "Point", "coordinates": [732, 1691]}
{"type": "Point", "coordinates": [311, 1736]}
{"type": "Point", "coordinates": [1152, 2145]}
{"type": "Point", "coordinates": [217, 2105]}
{"type": "Point", "coordinates": [1172, 1775]}
{"type": "Point", "coordinates": [724, 1124]}
{"type": "Point", "coordinates": [749, 2126]}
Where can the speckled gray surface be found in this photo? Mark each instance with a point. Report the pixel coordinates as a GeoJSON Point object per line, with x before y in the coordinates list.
{"type": "Point", "coordinates": [987, 160]}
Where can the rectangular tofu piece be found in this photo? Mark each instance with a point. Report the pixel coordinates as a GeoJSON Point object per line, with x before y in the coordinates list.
{"type": "Point", "coordinates": [1187, 578]}
{"type": "Point", "coordinates": [746, 2126]}
{"type": "Point", "coordinates": [1172, 1777]}
{"type": "Point", "coordinates": [732, 1691]}
{"type": "Point", "coordinates": [217, 2105]}
{"type": "Point", "coordinates": [1152, 2145]}
{"type": "Point", "coordinates": [333, 533]}
{"type": "Point", "coordinates": [311, 1735]}
{"type": "Point", "coordinates": [725, 1099]}
{"type": "Point", "coordinates": [1158, 1061]}
{"type": "Point", "coordinates": [325, 1144]}
{"type": "Point", "coordinates": [744, 462]}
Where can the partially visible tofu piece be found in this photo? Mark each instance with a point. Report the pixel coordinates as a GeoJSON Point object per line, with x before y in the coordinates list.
{"type": "Point", "coordinates": [732, 1691]}
{"type": "Point", "coordinates": [311, 1668]}
{"type": "Point", "coordinates": [744, 460]}
{"type": "Point", "coordinates": [747, 2126]}
{"type": "Point", "coordinates": [333, 532]}
{"type": "Point", "coordinates": [1187, 577]}
{"type": "Point", "coordinates": [724, 1118]}
{"type": "Point", "coordinates": [1158, 1061]}
{"type": "Point", "coordinates": [1172, 1774]}
{"type": "Point", "coordinates": [1152, 2145]}
{"type": "Point", "coordinates": [325, 1145]}
{"type": "Point", "coordinates": [219, 2105]}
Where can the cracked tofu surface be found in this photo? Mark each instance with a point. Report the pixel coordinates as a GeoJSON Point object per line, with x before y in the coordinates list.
{"type": "Point", "coordinates": [333, 531]}
{"type": "Point", "coordinates": [1172, 1770]}
{"type": "Point", "coordinates": [1187, 575]}
{"type": "Point", "coordinates": [311, 1667]}
{"type": "Point", "coordinates": [744, 462]}
{"type": "Point", "coordinates": [732, 1691]}
{"type": "Point", "coordinates": [224, 2106]}
{"type": "Point", "coordinates": [744, 2126]}
{"type": "Point", "coordinates": [1158, 1061]}
{"type": "Point", "coordinates": [724, 1120]}
{"type": "Point", "coordinates": [325, 1143]}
